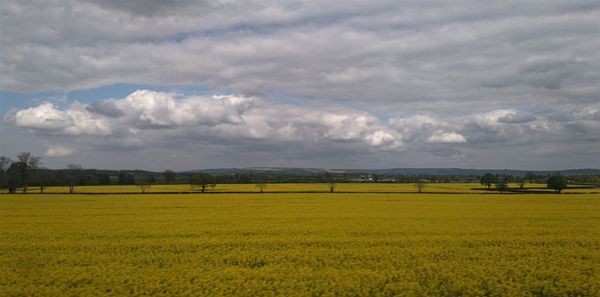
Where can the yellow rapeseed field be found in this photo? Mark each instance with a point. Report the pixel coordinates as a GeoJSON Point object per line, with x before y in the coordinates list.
{"type": "Point", "coordinates": [312, 244]}
{"type": "Point", "coordinates": [306, 187]}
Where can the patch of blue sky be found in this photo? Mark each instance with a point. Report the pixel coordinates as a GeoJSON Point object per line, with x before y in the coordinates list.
{"type": "Point", "coordinates": [118, 91]}
{"type": "Point", "coordinates": [9, 100]}
{"type": "Point", "coordinates": [17, 100]}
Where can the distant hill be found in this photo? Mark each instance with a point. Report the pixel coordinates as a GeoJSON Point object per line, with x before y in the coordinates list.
{"type": "Point", "coordinates": [393, 171]}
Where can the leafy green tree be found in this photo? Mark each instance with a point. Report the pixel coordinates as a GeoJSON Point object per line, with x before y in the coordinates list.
{"type": "Point", "coordinates": [488, 180]}
{"type": "Point", "coordinates": [501, 185]}
{"type": "Point", "coordinates": [202, 181]}
{"type": "Point", "coordinates": [556, 183]}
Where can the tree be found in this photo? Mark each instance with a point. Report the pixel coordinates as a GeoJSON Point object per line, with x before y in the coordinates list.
{"type": "Point", "coordinates": [146, 183]}
{"type": "Point", "coordinates": [501, 185]}
{"type": "Point", "coordinates": [15, 176]}
{"type": "Point", "coordinates": [261, 183]}
{"type": "Point", "coordinates": [4, 165]}
{"type": "Point", "coordinates": [556, 183]}
{"type": "Point", "coordinates": [202, 181]}
{"type": "Point", "coordinates": [43, 177]}
{"type": "Point", "coordinates": [73, 172]}
{"type": "Point", "coordinates": [144, 187]}
{"type": "Point", "coordinates": [29, 163]}
{"type": "Point", "coordinates": [488, 180]}
{"type": "Point", "coordinates": [420, 185]}
{"type": "Point", "coordinates": [529, 176]}
{"type": "Point", "coordinates": [521, 181]}
{"type": "Point", "coordinates": [169, 176]}
{"type": "Point", "coordinates": [330, 181]}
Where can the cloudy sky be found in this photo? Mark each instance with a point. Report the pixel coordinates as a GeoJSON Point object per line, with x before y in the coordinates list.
{"type": "Point", "coordinates": [187, 84]}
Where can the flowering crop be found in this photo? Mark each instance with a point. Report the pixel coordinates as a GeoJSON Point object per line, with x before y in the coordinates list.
{"type": "Point", "coordinates": [463, 188]}
{"type": "Point", "coordinates": [313, 244]}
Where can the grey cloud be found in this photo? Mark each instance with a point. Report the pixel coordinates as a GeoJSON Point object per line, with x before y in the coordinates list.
{"type": "Point", "coordinates": [227, 117]}
{"type": "Point", "coordinates": [107, 108]}
{"type": "Point", "coordinates": [447, 153]}
{"type": "Point", "coordinates": [237, 121]}
{"type": "Point", "coordinates": [276, 134]}
{"type": "Point", "coordinates": [517, 118]}
{"type": "Point", "coordinates": [543, 72]}
{"type": "Point", "coordinates": [388, 52]}
{"type": "Point", "coordinates": [453, 76]}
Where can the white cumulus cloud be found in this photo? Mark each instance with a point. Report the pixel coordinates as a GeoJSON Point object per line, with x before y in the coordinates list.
{"type": "Point", "coordinates": [43, 117]}
{"type": "Point", "coordinates": [75, 120]}
{"type": "Point", "coordinates": [59, 151]}
{"type": "Point", "coordinates": [150, 119]}
{"type": "Point", "coordinates": [441, 136]}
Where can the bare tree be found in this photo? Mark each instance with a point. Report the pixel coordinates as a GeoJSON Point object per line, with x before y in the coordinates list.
{"type": "Point", "coordinates": [330, 181]}
{"type": "Point", "coordinates": [331, 185]}
{"type": "Point", "coordinates": [4, 165]}
{"type": "Point", "coordinates": [146, 183]}
{"type": "Point", "coordinates": [144, 187]}
{"type": "Point", "coordinates": [261, 183]}
{"type": "Point", "coordinates": [73, 172]}
{"type": "Point", "coordinates": [15, 176]}
{"type": "Point", "coordinates": [29, 163]}
{"type": "Point", "coordinates": [42, 177]}
{"type": "Point", "coordinates": [420, 185]}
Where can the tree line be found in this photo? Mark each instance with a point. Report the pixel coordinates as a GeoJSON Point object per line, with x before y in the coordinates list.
{"type": "Point", "coordinates": [554, 182]}
{"type": "Point", "coordinates": [26, 171]}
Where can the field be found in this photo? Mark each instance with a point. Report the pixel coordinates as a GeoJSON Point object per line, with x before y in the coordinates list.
{"type": "Point", "coordinates": [310, 188]}
{"type": "Point", "coordinates": [300, 244]}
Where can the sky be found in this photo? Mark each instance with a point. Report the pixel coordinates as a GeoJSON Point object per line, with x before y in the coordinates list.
{"type": "Point", "coordinates": [183, 84]}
